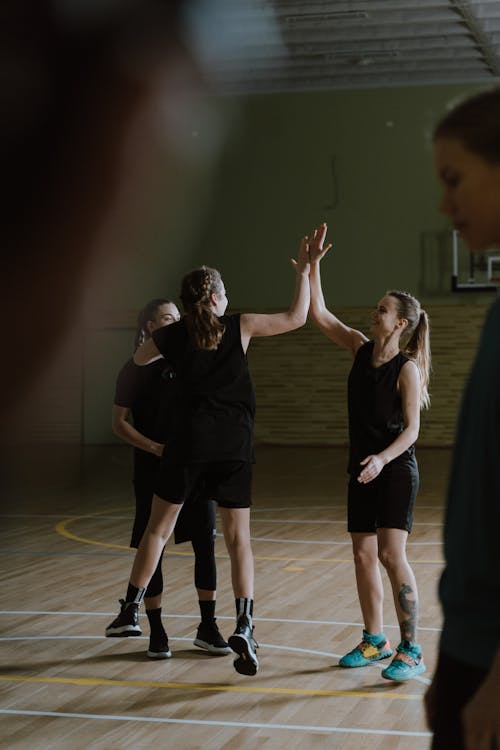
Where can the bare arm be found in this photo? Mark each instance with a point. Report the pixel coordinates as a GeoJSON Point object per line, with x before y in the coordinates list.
{"type": "Point", "coordinates": [409, 385]}
{"type": "Point", "coordinates": [127, 432]}
{"type": "Point", "coordinates": [148, 352]}
{"type": "Point", "coordinates": [333, 328]}
{"type": "Point", "coordinates": [254, 324]}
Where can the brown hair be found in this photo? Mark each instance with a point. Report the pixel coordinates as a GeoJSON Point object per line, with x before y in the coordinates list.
{"type": "Point", "coordinates": [205, 328]}
{"type": "Point", "coordinates": [417, 346]}
{"type": "Point", "coordinates": [147, 313]}
{"type": "Point", "coordinates": [475, 122]}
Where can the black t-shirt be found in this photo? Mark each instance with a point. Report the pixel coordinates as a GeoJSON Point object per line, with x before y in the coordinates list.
{"type": "Point", "coordinates": [216, 403]}
{"type": "Point", "coordinates": [150, 394]}
{"type": "Point", "coordinates": [375, 409]}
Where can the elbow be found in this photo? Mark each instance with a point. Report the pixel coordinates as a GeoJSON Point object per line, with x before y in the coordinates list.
{"type": "Point", "coordinates": [413, 434]}
{"type": "Point", "coordinates": [298, 320]}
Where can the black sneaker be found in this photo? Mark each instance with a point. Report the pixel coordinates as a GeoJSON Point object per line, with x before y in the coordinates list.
{"type": "Point", "coordinates": [127, 622]}
{"type": "Point", "coordinates": [158, 647]}
{"type": "Point", "coordinates": [208, 636]}
{"type": "Point", "coordinates": [242, 643]}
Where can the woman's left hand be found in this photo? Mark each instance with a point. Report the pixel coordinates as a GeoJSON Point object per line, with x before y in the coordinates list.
{"type": "Point", "coordinates": [302, 263]}
{"type": "Point", "coordinates": [373, 466]}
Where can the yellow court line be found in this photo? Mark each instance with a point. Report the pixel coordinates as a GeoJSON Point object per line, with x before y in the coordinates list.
{"type": "Point", "coordinates": [61, 529]}
{"type": "Point", "coordinates": [86, 681]}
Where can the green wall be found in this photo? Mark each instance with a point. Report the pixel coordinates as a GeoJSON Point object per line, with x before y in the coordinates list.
{"type": "Point", "coordinates": [359, 160]}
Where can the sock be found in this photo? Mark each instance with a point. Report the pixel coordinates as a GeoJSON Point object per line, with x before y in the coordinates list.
{"type": "Point", "coordinates": [207, 609]}
{"type": "Point", "coordinates": [244, 607]}
{"type": "Point", "coordinates": [155, 623]}
{"type": "Point", "coordinates": [134, 594]}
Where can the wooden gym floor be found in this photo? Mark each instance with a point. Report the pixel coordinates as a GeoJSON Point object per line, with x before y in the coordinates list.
{"type": "Point", "coordinates": [65, 562]}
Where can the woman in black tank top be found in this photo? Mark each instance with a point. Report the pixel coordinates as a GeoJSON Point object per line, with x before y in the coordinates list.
{"type": "Point", "coordinates": [211, 442]}
{"type": "Point", "coordinates": [387, 387]}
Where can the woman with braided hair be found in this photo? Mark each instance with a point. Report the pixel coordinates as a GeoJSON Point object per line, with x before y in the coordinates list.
{"type": "Point", "coordinates": [148, 394]}
{"type": "Point", "coordinates": [211, 451]}
{"type": "Point", "coordinates": [387, 387]}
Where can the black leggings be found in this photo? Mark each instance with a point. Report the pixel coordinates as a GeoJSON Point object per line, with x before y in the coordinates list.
{"type": "Point", "coordinates": [195, 523]}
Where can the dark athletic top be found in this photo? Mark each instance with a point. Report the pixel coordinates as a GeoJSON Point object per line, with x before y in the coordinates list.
{"type": "Point", "coordinates": [150, 393]}
{"type": "Point", "coordinates": [216, 403]}
{"type": "Point", "coordinates": [375, 410]}
{"type": "Point", "coordinates": [470, 585]}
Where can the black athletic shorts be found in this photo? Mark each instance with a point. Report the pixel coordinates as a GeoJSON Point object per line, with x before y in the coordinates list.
{"type": "Point", "coordinates": [229, 483]}
{"type": "Point", "coordinates": [386, 502]}
{"type": "Point", "coordinates": [196, 518]}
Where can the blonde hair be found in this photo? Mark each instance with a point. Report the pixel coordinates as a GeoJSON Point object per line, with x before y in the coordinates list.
{"type": "Point", "coordinates": [205, 328]}
{"type": "Point", "coordinates": [417, 346]}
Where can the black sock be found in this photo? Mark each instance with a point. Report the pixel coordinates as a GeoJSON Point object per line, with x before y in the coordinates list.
{"type": "Point", "coordinates": [134, 594]}
{"type": "Point", "coordinates": [244, 607]}
{"type": "Point", "coordinates": [155, 623]}
{"type": "Point", "coordinates": [207, 609]}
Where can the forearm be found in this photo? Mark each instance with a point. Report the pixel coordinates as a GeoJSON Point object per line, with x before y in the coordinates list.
{"type": "Point", "coordinates": [130, 435]}
{"type": "Point", "coordinates": [403, 441]}
{"type": "Point", "coordinates": [317, 298]}
{"type": "Point", "coordinates": [299, 308]}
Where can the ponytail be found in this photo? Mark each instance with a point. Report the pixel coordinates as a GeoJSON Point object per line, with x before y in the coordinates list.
{"type": "Point", "coordinates": [418, 346]}
{"type": "Point", "coordinates": [204, 327]}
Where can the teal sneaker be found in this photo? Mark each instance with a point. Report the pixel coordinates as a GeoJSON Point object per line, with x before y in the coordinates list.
{"type": "Point", "coordinates": [407, 663]}
{"type": "Point", "coordinates": [371, 648]}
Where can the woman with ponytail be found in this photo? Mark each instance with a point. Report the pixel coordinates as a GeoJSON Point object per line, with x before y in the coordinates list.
{"type": "Point", "coordinates": [148, 395]}
{"type": "Point", "coordinates": [211, 451]}
{"type": "Point", "coordinates": [387, 387]}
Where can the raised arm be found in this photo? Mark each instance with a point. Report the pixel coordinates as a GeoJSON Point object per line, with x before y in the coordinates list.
{"type": "Point", "coordinates": [254, 324]}
{"type": "Point", "coordinates": [327, 322]}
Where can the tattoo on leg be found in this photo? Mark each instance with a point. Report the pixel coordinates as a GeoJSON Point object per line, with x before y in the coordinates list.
{"type": "Point", "coordinates": [409, 605]}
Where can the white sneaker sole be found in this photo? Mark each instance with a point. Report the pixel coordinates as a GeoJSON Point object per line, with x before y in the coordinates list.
{"type": "Point", "coordinates": [215, 650]}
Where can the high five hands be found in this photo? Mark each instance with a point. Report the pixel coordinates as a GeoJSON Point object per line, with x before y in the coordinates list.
{"type": "Point", "coordinates": [317, 249]}
{"type": "Point", "coordinates": [311, 250]}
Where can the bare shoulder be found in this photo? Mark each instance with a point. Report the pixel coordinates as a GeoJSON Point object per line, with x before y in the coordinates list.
{"type": "Point", "coordinates": [410, 373]}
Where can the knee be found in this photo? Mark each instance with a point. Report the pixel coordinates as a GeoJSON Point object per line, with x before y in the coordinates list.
{"type": "Point", "coordinates": [237, 542]}
{"type": "Point", "coordinates": [390, 559]}
{"type": "Point", "coordinates": [364, 559]}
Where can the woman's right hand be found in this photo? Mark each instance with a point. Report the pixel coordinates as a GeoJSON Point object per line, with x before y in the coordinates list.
{"type": "Point", "coordinates": [157, 449]}
{"type": "Point", "coordinates": [316, 249]}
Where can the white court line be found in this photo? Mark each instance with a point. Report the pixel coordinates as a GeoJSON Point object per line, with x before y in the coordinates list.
{"type": "Point", "coordinates": [329, 506]}
{"type": "Point", "coordinates": [328, 542]}
{"type": "Point", "coordinates": [296, 649]}
{"type": "Point", "coordinates": [205, 723]}
{"type": "Point", "coordinates": [197, 617]}
{"type": "Point", "coordinates": [272, 646]}
{"type": "Point", "coordinates": [343, 521]}
{"type": "Point", "coordinates": [97, 516]}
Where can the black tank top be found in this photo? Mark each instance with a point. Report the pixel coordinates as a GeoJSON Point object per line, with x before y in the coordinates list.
{"type": "Point", "coordinates": [216, 404]}
{"type": "Point", "coordinates": [375, 410]}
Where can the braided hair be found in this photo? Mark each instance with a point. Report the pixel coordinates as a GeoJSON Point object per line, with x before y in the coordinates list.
{"type": "Point", "coordinates": [417, 346]}
{"type": "Point", "coordinates": [205, 328]}
{"type": "Point", "coordinates": [147, 313]}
